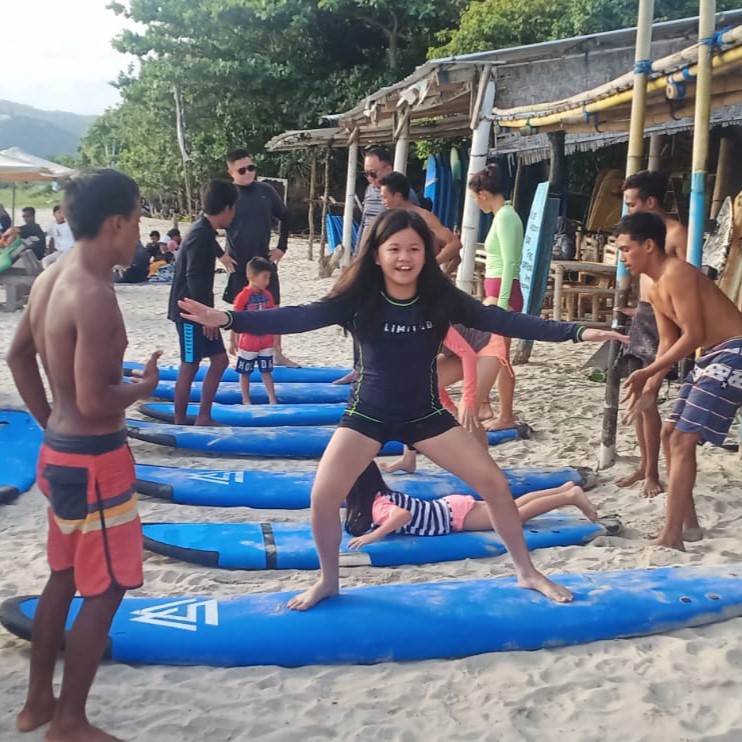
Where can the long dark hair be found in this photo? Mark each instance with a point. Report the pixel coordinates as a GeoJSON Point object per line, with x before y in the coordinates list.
{"type": "Point", "coordinates": [362, 283]}
{"type": "Point", "coordinates": [360, 500]}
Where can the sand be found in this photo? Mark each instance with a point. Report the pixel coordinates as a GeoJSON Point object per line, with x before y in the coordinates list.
{"type": "Point", "coordinates": [685, 685]}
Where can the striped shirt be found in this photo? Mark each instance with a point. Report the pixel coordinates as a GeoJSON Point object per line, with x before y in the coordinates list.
{"type": "Point", "coordinates": [429, 517]}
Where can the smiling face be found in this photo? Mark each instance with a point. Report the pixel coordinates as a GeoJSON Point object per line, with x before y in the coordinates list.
{"type": "Point", "coordinates": [401, 258]}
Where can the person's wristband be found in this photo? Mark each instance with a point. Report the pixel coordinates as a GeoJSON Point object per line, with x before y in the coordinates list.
{"type": "Point", "coordinates": [230, 320]}
{"type": "Point", "coordinates": [579, 333]}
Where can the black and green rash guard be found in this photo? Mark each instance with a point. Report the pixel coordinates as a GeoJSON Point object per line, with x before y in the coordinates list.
{"type": "Point", "coordinates": [397, 379]}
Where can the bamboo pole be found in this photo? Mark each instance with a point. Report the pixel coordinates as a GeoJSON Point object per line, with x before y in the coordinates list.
{"type": "Point", "coordinates": [402, 144]}
{"type": "Point", "coordinates": [634, 158]}
{"type": "Point", "coordinates": [325, 204]}
{"type": "Point", "coordinates": [312, 197]}
{"type": "Point", "coordinates": [654, 161]}
{"type": "Point", "coordinates": [482, 127]}
{"type": "Point", "coordinates": [706, 26]}
{"type": "Point", "coordinates": [350, 196]}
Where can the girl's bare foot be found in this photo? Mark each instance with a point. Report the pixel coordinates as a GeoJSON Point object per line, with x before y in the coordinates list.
{"type": "Point", "coordinates": [349, 378]}
{"type": "Point", "coordinates": [309, 598]}
{"type": "Point", "coordinates": [542, 584]}
{"type": "Point", "coordinates": [692, 534]}
{"type": "Point", "coordinates": [669, 543]}
{"type": "Point", "coordinates": [486, 412]}
{"type": "Point", "coordinates": [652, 487]}
{"type": "Point", "coordinates": [209, 422]}
{"type": "Point", "coordinates": [82, 733]}
{"type": "Point", "coordinates": [582, 502]}
{"type": "Point", "coordinates": [633, 478]}
{"type": "Point", "coordinates": [35, 714]}
{"type": "Point", "coordinates": [403, 464]}
{"type": "Point", "coordinates": [499, 423]}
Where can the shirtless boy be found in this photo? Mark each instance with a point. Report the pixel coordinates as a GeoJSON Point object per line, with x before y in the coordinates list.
{"type": "Point", "coordinates": [692, 312]}
{"type": "Point", "coordinates": [85, 469]}
{"type": "Point", "coordinates": [645, 191]}
{"type": "Point", "coordinates": [395, 194]}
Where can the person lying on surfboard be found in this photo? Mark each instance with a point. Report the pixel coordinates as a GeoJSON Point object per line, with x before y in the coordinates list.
{"type": "Point", "coordinates": [398, 304]}
{"type": "Point", "coordinates": [372, 504]}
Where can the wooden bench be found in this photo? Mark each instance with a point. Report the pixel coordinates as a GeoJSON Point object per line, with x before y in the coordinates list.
{"type": "Point", "coordinates": [18, 281]}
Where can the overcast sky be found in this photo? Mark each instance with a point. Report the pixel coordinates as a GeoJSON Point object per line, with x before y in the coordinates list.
{"type": "Point", "coordinates": [61, 54]}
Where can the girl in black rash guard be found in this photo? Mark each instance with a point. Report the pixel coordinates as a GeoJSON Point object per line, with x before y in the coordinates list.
{"type": "Point", "coordinates": [398, 304]}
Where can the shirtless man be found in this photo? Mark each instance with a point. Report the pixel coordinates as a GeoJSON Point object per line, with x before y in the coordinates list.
{"type": "Point", "coordinates": [692, 312]}
{"type": "Point", "coordinates": [395, 194]}
{"type": "Point", "coordinates": [645, 191]}
{"type": "Point", "coordinates": [74, 325]}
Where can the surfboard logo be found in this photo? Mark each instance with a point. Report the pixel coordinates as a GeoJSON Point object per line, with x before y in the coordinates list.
{"type": "Point", "coordinates": [219, 477]}
{"type": "Point", "coordinates": [187, 614]}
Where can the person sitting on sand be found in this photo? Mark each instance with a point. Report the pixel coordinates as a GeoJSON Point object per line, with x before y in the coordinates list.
{"type": "Point", "coordinates": [194, 279]}
{"type": "Point", "coordinates": [250, 348]}
{"type": "Point", "coordinates": [372, 504]}
{"type": "Point", "coordinates": [692, 312]}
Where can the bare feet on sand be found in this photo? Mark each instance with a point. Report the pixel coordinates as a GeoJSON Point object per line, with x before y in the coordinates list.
{"type": "Point", "coordinates": [82, 733]}
{"type": "Point", "coordinates": [486, 412]}
{"type": "Point", "coordinates": [35, 714]}
{"type": "Point", "coordinates": [668, 542]}
{"type": "Point", "coordinates": [691, 535]}
{"type": "Point", "coordinates": [581, 501]}
{"type": "Point", "coordinates": [400, 465]}
{"type": "Point", "coordinates": [545, 586]}
{"type": "Point", "coordinates": [629, 479]}
{"type": "Point", "coordinates": [499, 423]}
{"type": "Point", "coordinates": [309, 598]}
{"type": "Point", "coordinates": [652, 487]}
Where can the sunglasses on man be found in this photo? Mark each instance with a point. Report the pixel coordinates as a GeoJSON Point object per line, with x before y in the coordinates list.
{"type": "Point", "coordinates": [369, 174]}
{"type": "Point", "coordinates": [246, 169]}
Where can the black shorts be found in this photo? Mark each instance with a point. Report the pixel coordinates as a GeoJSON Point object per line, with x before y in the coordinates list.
{"type": "Point", "coordinates": [238, 280]}
{"type": "Point", "coordinates": [408, 433]}
{"type": "Point", "coordinates": [194, 345]}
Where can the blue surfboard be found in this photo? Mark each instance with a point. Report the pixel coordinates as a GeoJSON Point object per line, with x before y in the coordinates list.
{"type": "Point", "coordinates": [291, 490]}
{"type": "Point", "coordinates": [405, 622]}
{"type": "Point", "coordinates": [285, 442]}
{"type": "Point", "coordinates": [229, 393]}
{"type": "Point", "coordinates": [281, 374]}
{"type": "Point", "coordinates": [432, 186]}
{"type": "Point", "coordinates": [291, 545]}
{"type": "Point", "coordinates": [20, 440]}
{"type": "Point", "coordinates": [253, 416]}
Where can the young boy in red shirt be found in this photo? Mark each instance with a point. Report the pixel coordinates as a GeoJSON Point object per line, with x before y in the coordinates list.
{"type": "Point", "coordinates": [251, 348]}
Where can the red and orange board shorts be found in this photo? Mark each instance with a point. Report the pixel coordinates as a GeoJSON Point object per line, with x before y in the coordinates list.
{"type": "Point", "coordinates": [94, 526]}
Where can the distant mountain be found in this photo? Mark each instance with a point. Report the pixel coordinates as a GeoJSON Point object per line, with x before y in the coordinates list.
{"type": "Point", "coordinates": [41, 133]}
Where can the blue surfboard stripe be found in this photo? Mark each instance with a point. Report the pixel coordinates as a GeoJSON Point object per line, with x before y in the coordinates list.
{"type": "Point", "coordinates": [253, 416]}
{"type": "Point", "coordinates": [404, 622]}
{"type": "Point", "coordinates": [291, 490]}
{"type": "Point", "coordinates": [281, 374]}
{"type": "Point", "coordinates": [300, 442]}
{"type": "Point", "coordinates": [296, 393]}
{"type": "Point", "coordinates": [291, 545]}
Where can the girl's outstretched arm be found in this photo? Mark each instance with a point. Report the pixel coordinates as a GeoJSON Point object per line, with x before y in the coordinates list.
{"type": "Point", "coordinates": [397, 519]}
{"type": "Point", "coordinates": [280, 321]}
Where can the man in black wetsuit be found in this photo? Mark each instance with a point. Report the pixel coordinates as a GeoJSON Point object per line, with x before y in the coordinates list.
{"type": "Point", "coordinates": [249, 235]}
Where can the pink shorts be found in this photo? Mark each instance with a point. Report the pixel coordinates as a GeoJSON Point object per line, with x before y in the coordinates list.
{"type": "Point", "coordinates": [495, 348]}
{"type": "Point", "coordinates": [459, 505]}
{"type": "Point", "coordinates": [492, 289]}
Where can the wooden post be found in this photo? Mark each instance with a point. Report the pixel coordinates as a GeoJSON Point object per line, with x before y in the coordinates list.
{"type": "Point", "coordinates": [635, 156]}
{"type": "Point", "coordinates": [656, 141]}
{"type": "Point", "coordinates": [722, 184]}
{"type": "Point", "coordinates": [312, 196]}
{"type": "Point", "coordinates": [325, 205]}
{"type": "Point", "coordinates": [558, 169]}
{"type": "Point", "coordinates": [482, 126]}
{"type": "Point", "coordinates": [706, 26]}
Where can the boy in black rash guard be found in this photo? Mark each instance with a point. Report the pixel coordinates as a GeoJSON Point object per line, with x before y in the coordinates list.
{"type": "Point", "coordinates": [194, 278]}
{"type": "Point", "coordinates": [399, 305]}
